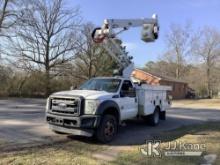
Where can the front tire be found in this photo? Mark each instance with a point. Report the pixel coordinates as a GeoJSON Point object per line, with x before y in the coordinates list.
{"type": "Point", "coordinates": [107, 129]}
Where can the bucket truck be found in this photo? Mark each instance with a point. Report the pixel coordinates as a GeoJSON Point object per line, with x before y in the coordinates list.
{"type": "Point", "coordinates": [102, 104]}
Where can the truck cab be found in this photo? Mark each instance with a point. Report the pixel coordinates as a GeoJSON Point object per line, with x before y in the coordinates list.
{"type": "Point", "coordinates": [96, 108]}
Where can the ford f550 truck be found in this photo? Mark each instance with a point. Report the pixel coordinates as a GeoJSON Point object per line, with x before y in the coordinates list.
{"type": "Point", "coordinates": [101, 104]}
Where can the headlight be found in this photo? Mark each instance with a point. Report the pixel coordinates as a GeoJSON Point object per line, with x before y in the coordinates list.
{"type": "Point", "coordinates": [91, 106]}
{"type": "Point", "coordinates": [48, 104]}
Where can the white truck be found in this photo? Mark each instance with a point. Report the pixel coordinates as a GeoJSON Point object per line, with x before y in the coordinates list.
{"type": "Point", "coordinates": [101, 104]}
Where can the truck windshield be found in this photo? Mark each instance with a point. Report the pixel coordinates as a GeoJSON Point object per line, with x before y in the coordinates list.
{"type": "Point", "coordinates": [108, 85]}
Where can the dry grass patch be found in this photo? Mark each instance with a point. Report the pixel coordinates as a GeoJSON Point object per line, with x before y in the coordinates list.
{"type": "Point", "coordinates": [201, 103]}
{"type": "Point", "coordinates": [73, 152]}
{"type": "Point", "coordinates": [3, 142]}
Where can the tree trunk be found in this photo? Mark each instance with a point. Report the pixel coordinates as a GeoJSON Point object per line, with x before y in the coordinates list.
{"type": "Point", "coordinates": [47, 72]}
{"type": "Point", "coordinates": [47, 66]}
{"type": "Point", "coordinates": [90, 71]}
{"type": "Point", "coordinates": [208, 83]}
{"type": "Point", "coordinates": [47, 83]}
{"type": "Point", "coordinates": [3, 13]}
{"type": "Point", "coordinates": [177, 72]}
{"type": "Point", "coordinates": [208, 72]}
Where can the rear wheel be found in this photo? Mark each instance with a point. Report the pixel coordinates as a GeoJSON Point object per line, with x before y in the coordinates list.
{"type": "Point", "coordinates": [163, 115]}
{"type": "Point", "coordinates": [107, 129]}
{"type": "Point", "coordinates": [154, 118]}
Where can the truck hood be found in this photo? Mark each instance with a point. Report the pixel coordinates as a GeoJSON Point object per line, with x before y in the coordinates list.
{"type": "Point", "coordinates": [88, 94]}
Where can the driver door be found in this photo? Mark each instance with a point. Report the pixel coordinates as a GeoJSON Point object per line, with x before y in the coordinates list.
{"type": "Point", "coordinates": [127, 101]}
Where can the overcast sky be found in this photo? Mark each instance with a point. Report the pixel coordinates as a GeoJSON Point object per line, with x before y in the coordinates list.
{"type": "Point", "coordinates": [199, 12]}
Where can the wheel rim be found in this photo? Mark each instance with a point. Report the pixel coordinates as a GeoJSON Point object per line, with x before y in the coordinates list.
{"type": "Point", "coordinates": [109, 129]}
{"type": "Point", "coordinates": [156, 117]}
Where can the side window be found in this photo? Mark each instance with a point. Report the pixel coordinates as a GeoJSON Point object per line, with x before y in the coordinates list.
{"type": "Point", "coordinates": [127, 90]}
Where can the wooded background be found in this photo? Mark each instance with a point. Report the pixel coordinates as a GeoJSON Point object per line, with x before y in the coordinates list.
{"type": "Point", "coordinates": [45, 46]}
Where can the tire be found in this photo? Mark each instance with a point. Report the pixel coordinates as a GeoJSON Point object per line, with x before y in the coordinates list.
{"type": "Point", "coordinates": [163, 115]}
{"type": "Point", "coordinates": [107, 129]}
{"type": "Point", "coordinates": [154, 119]}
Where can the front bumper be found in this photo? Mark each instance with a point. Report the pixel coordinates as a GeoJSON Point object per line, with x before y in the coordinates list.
{"type": "Point", "coordinates": [77, 125]}
{"type": "Point", "coordinates": [73, 131]}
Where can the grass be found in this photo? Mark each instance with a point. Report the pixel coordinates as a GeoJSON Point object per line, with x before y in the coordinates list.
{"type": "Point", "coordinates": [2, 142]}
{"type": "Point", "coordinates": [201, 103]}
{"type": "Point", "coordinates": [73, 152]}
{"type": "Point", "coordinates": [208, 133]}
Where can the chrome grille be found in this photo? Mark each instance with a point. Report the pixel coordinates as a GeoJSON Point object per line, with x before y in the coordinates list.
{"type": "Point", "coordinates": [67, 106]}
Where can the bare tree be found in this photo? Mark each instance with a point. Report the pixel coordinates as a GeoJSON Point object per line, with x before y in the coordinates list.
{"type": "Point", "coordinates": [178, 43]}
{"type": "Point", "coordinates": [47, 36]}
{"type": "Point", "coordinates": [206, 46]}
{"type": "Point", "coordinates": [8, 14]}
{"type": "Point", "coordinates": [8, 17]}
{"type": "Point", "coordinates": [162, 67]}
{"type": "Point", "coordinates": [92, 59]}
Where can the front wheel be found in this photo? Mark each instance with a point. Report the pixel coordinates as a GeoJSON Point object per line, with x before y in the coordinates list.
{"type": "Point", "coordinates": [107, 129]}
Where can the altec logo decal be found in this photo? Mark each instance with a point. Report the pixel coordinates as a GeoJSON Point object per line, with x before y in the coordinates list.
{"type": "Point", "coordinates": [174, 148]}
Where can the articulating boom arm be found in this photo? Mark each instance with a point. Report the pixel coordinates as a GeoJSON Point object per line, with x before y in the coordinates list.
{"type": "Point", "coordinates": [107, 36]}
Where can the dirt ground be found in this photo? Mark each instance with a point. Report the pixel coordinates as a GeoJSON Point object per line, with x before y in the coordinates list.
{"type": "Point", "coordinates": [197, 104]}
